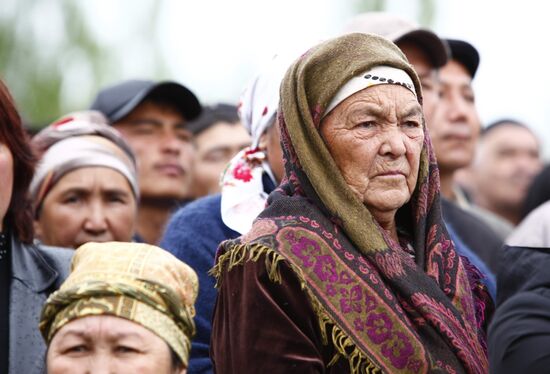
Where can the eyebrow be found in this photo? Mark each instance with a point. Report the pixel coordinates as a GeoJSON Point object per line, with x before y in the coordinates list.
{"type": "Point", "coordinates": [74, 332]}
{"type": "Point", "coordinates": [378, 111]}
{"type": "Point", "coordinates": [412, 111]}
{"type": "Point", "coordinates": [462, 86]}
{"type": "Point", "coordinates": [370, 108]}
{"type": "Point", "coordinates": [77, 190]}
{"type": "Point", "coordinates": [86, 191]}
{"type": "Point", "coordinates": [112, 336]}
{"type": "Point", "coordinates": [146, 121]}
{"type": "Point", "coordinates": [115, 191]}
{"type": "Point", "coordinates": [157, 123]}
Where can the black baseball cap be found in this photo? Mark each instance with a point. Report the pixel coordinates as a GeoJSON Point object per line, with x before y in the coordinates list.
{"type": "Point", "coordinates": [398, 29]}
{"type": "Point", "coordinates": [465, 53]}
{"type": "Point", "coordinates": [117, 101]}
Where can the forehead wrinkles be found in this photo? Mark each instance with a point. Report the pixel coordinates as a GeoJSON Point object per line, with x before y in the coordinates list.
{"type": "Point", "coordinates": [389, 103]}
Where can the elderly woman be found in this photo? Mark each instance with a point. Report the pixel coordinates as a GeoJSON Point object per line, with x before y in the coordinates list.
{"type": "Point", "coordinates": [28, 272]}
{"type": "Point", "coordinates": [350, 268]}
{"type": "Point", "coordinates": [125, 308]}
{"type": "Point", "coordinates": [85, 188]}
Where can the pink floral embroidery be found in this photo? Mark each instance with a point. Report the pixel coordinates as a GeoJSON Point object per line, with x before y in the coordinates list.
{"type": "Point", "coordinates": [358, 324]}
{"type": "Point", "coordinates": [351, 300]}
{"type": "Point", "coordinates": [325, 268]}
{"type": "Point", "coordinates": [261, 227]}
{"type": "Point", "coordinates": [379, 327]}
{"type": "Point", "coordinates": [331, 290]}
{"type": "Point", "coordinates": [304, 248]}
{"type": "Point", "coordinates": [345, 278]}
{"type": "Point", "coordinates": [242, 172]}
{"type": "Point", "coordinates": [390, 264]}
{"type": "Point", "coordinates": [398, 349]}
{"type": "Point", "coordinates": [349, 256]}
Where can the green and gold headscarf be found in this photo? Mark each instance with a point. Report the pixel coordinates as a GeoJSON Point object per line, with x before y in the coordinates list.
{"type": "Point", "coordinates": [139, 282]}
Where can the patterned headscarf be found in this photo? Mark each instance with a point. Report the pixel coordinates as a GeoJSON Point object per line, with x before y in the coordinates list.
{"type": "Point", "coordinates": [139, 282]}
{"type": "Point", "coordinates": [243, 195]}
{"type": "Point", "coordinates": [384, 310]}
{"type": "Point", "coordinates": [77, 140]}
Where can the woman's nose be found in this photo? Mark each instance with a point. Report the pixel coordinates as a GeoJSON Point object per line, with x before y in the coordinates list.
{"type": "Point", "coordinates": [96, 221]}
{"type": "Point", "coordinates": [392, 143]}
{"type": "Point", "coordinates": [100, 363]}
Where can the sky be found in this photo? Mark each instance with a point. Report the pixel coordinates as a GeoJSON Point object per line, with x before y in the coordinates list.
{"type": "Point", "coordinates": [215, 47]}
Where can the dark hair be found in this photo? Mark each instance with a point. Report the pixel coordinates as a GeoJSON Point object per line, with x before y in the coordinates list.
{"type": "Point", "coordinates": [502, 122]}
{"type": "Point", "coordinates": [538, 192]}
{"type": "Point", "coordinates": [213, 114]}
{"type": "Point", "coordinates": [175, 360]}
{"type": "Point", "coordinates": [19, 215]}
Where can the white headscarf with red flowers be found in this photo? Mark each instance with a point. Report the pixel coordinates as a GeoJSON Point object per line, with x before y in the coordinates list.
{"type": "Point", "coordinates": [243, 195]}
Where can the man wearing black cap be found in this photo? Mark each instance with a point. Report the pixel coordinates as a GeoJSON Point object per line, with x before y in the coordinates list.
{"type": "Point", "coordinates": [459, 117]}
{"type": "Point", "coordinates": [458, 124]}
{"type": "Point", "coordinates": [152, 117]}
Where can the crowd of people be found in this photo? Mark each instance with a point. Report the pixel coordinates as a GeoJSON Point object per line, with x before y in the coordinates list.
{"type": "Point", "coordinates": [351, 214]}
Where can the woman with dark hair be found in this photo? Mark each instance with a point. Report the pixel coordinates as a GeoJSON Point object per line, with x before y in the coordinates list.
{"type": "Point", "coordinates": [28, 273]}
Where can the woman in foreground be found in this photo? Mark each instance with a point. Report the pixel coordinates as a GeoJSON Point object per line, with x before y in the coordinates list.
{"type": "Point", "coordinates": [125, 308]}
{"type": "Point", "coordinates": [350, 267]}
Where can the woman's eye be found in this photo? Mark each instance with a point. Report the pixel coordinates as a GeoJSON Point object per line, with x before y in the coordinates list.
{"type": "Point", "coordinates": [117, 199]}
{"type": "Point", "coordinates": [71, 200]}
{"type": "Point", "coordinates": [367, 124]}
{"type": "Point", "coordinates": [125, 349]}
{"type": "Point", "coordinates": [81, 348]}
{"type": "Point", "coordinates": [413, 124]}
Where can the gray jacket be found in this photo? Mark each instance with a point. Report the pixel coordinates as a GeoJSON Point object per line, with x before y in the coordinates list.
{"type": "Point", "coordinates": [37, 271]}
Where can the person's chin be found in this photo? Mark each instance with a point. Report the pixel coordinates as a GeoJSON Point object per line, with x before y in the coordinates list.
{"type": "Point", "coordinates": [167, 192]}
{"type": "Point", "coordinates": [390, 200]}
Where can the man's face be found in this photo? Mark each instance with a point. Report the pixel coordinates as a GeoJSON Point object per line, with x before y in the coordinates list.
{"type": "Point", "coordinates": [507, 161]}
{"type": "Point", "coordinates": [455, 130]}
{"type": "Point", "coordinates": [215, 147]}
{"type": "Point", "coordinates": [428, 78]}
{"type": "Point", "coordinates": [164, 150]}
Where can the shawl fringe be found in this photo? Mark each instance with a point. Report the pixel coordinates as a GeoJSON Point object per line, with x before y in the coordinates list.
{"type": "Point", "coordinates": [242, 253]}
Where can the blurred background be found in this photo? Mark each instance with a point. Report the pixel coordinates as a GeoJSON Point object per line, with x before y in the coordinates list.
{"type": "Point", "coordinates": [56, 54]}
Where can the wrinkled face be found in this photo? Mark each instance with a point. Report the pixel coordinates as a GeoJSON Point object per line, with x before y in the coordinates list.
{"type": "Point", "coordinates": [163, 148]}
{"type": "Point", "coordinates": [455, 133]}
{"type": "Point", "coordinates": [6, 174]}
{"type": "Point", "coordinates": [108, 344]}
{"type": "Point", "coordinates": [216, 146]}
{"type": "Point", "coordinates": [375, 137]}
{"type": "Point", "coordinates": [87, 204]}
{"type": "Point", "coordinates": [507, 162]}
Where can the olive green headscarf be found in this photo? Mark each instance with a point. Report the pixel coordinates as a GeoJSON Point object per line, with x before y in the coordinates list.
{"type": "Point", "coordinates": [308, 88]}
{"type": "Point", "coordinates": [139, 282]}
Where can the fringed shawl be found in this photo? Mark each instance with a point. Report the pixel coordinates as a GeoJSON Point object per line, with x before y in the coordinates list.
{"type": "Point", "coordinates": [381, 309]}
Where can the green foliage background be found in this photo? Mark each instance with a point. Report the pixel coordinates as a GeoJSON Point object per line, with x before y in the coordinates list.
{"type": "Point", "coordinates": [43, 41]}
